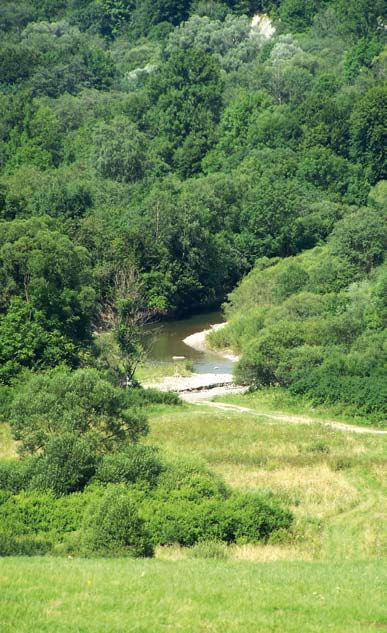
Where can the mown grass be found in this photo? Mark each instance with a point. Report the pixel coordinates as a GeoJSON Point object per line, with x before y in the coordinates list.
{"type": "Point", "coordinates": [334, 481]}
{"type": "Point", "coordinates": [96, 596]}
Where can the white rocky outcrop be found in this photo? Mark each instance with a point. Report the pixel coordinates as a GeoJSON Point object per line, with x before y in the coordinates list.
{"type": "Point", "coordinates": [263, 24]}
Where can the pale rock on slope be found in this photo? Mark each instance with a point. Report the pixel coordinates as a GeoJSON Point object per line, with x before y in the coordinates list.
{"type": "Point", "coordinates": [262, 23]}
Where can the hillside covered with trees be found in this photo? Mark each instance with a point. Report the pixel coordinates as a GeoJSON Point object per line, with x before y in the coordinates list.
{"type": "Point", "coordinates": [154, 158]}
{"type": "Point", "coordinates": [157, 150]}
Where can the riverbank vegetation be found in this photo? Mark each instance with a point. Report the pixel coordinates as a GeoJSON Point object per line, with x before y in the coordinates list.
{"type": "Point", "coordinates": [315, 323]}
{"type": "Point", "coordinates": [150, 157]}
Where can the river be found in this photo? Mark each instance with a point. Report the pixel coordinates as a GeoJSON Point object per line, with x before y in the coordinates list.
{"type": "Point", "coordinates": [165, 339]}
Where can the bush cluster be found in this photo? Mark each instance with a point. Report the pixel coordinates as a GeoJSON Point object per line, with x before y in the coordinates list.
{"type": "Point", "coordinates": [184, 506]}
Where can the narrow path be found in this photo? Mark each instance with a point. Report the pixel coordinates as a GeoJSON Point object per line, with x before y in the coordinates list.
{"type": "Point", "coordinates": [292, 419]}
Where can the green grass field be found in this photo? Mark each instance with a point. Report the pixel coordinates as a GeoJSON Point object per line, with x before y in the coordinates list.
{"type": "Point", "coordinates": [117, 596]}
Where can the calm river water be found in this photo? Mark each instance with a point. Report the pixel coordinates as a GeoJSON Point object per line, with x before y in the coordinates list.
{"type": "Point", "coordinates": [165, 339]}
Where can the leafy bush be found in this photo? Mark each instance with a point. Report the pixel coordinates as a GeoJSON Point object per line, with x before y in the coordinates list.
{"type": "Point", "coordinates": [175, 519]}
{"type": "Point", "coordinates": [189, 515]}
{"type": "Point", "coordinates": [361, 239]}
{"type": "Point", "coordinates": [15, 475]}
{"type": "Point", "coordinates": [141, 397]}
{"type": "Point", "coordinates": [112, 526]}
{"type": "Point", "coordinates": [79, 403]}
{"type": "Point", "coordinates": [66, 466]}
{"type": "Point", "coordinates": [32, 513]}
{"type": "Point", "coordinates": [366, 395]}
{"type": "Point", "coordinates": [251, 518]}
{"type": "Point", "coordinates": [191, 479]}
{"type": "Point", "coordinates": [136, 464]}
{"type": "Point", "coordinates": [24, 545]}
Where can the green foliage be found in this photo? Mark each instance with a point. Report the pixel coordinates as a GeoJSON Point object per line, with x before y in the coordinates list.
{"type": "Point", "coordinates": [113, 527]}
{"type": "Point", "coordinates": [187, 96]}
{"type": "Point", "coordinates": [252, 518]}
{"type": "Point", "coordinates": [40, 513]}
{"type": "Point", "coordinates": [16, 63]}
{"type": "Point", "coordinates": [230, 40]}
{"type": "Point", "coordinates": [368, 131]}
{"type": "Point", "coordinates": [323, 341]}
{"type": "Point", "coordinates": [46, 286]}
{"type": "Point", "coordinates": [298, 14]}
{"type": "Point", "coordinates": [24, 545]}
{"type": "Point", "coordinates": [66, 465]}
{"type": "Point", "coordinates": [361, 239]}
{"type": "Point", "coordinates": [137, 397]}
{"type": "Point", "coordinates": [360, 17]}
{"type": "Point", "coordinates": [135, 503]}
{"type": "Point", "coordinates": [80, 404]}
{"type": "Point", "coordinates": [191, 505]}
{"type": "Point", "coordinates": [25, 342]}
{"type": "Point", "coordinates": [180, 518]}
{"type": "Point", "coordinates": [15, 475]}
{"type": "Point", "coordinates": [119, 151]}
{"type": "Point", "coordinates": [136, 464]}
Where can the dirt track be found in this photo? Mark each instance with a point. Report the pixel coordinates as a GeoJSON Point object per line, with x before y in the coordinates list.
{"type": "Point", "coordinates": [292, 419]}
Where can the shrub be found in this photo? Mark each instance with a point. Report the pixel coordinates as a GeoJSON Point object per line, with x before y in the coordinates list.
{"type": "Point", "coordinates": [361, 239]}
{"type": "Point", "coordinates": [66, 466]}
{"type": "Point", "coordinates": [15, 474]}
{"type": "Point", "coordinates": [75, 403]}
{"type": "Point", "coordinates": [258, 366]}
{"type": "Point", "coordinates": [191, 480]}
{"type": "Point", "coordinates": [366, 394]}
{"type": "Point", "coordinates": [24, 545]}
{"type": "Point", "coordinates": [112, 526]}
{"type": "Point", "coordinates": [137, 463]}
{"type": "Point", "coordinates": [138, 397]}
{"type": "Point", "coordinates": [31, 513]}
{"type": "Point", "coordinates": [175, 519]}
{"type": "Point", "coordinates": [199, 510]}
{"type": "Point", "coordinates": [250, 518]}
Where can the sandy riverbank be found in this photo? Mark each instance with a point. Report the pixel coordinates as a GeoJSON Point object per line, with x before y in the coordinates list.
{"type": "Point", "coordinates": [198, 341]}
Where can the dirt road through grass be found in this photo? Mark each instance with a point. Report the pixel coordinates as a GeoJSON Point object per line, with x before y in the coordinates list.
{"type": "Point", "coordinates": [197, 398]}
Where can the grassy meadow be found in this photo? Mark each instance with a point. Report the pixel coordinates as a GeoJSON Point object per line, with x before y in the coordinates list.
{"type": "Point", "coordinates": [95, 596]}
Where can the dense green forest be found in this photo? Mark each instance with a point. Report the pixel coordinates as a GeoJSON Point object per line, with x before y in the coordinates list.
{"type": "Point", "coordinates": [151, 152]}
{"type": "Point", "coordinates": [153, 155]}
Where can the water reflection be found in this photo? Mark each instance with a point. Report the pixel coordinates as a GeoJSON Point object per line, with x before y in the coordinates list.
{"type": "Point", "coordinates": [164, 340]}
